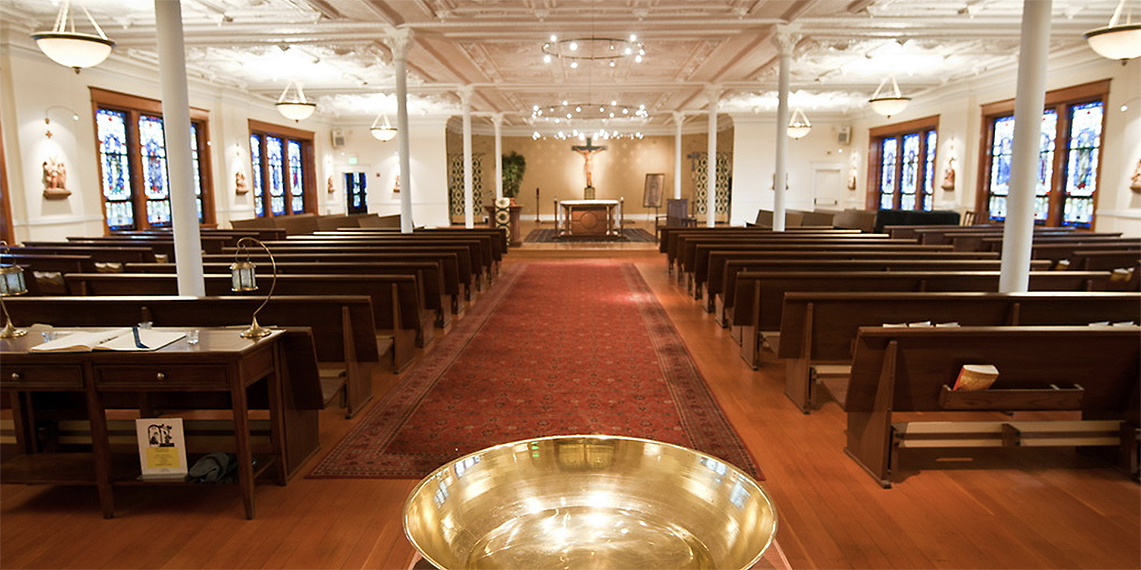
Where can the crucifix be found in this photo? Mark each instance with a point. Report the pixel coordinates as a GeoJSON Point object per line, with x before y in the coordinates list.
{"type": "Point", "coordinates": [588, 151]}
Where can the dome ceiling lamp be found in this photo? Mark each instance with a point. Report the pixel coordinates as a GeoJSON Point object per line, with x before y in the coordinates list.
{"type": "Point", "coordinates": [382, 131]}
{"type": "Point", "coordinates": [1117, 41]}
{"type": "Point", "coordinates": [70, 48]}
{"type": "Point", "coordinates": [294, 106]}
{"type": "Point", "coordinates": [888, 104]}
{"type": "Point", "coordinates": [798, 124]}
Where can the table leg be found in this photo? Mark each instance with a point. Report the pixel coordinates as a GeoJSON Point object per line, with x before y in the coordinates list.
{"type": "Point", "coordinates": [100, 449]}
{"type": "Point", "coordinates": [244, 453]}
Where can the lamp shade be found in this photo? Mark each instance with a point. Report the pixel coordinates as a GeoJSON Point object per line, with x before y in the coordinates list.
{"type": "Point", "coordinates": [74, 50]}
{"type": "Point", "coordinates": [383, 134]}
{"type": "Point", "coordinates": [243, 276]}
{"type": "Point", "coordinates": [296, 110]}
{"type": "Point", "coordinates": [888, 106]}
{"type": "Point", "coordinates": [798, 125]}
{"type": "Point", "coordinates": [1116, 42]}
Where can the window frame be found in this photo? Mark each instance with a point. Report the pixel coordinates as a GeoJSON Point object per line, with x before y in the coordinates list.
{"type": "Point", "coordinates": [1060, 101]}
{"type": "Point", "coordinates": [876, 136]}
{"type": "Point", "coordinates": [134, 107]}
{"type": "Point", "coordinates": [308, 166]}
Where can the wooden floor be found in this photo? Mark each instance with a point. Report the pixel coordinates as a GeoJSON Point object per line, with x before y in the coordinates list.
{"type": "Point", "coordinates": [1018, 509]}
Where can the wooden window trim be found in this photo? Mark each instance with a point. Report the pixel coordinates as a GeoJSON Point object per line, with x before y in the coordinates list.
{"type": "Point", "coordinates": [1060, 100]}
{"type": "Point", "coordinates": [134, 106]}
{"type": "Point", "coordinates": [308, 160]}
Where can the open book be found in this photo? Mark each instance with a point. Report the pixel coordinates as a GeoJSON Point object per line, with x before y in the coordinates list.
{"type": "Point", "coordinates": [125, 339]}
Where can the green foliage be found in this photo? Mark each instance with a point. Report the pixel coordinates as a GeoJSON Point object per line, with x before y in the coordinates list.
{"type": "Point", "coordinates": [514, 165]}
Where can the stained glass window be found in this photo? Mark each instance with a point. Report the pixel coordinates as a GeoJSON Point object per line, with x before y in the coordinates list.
{"type": "Point", "coordinates": [355, 183]}
{"type": "Point", "coordinates": [928, 200]}
{"type": "Point", "coordinates": [114, 158]}
{"type": "Point", "coordinates": [910, 171]}
{"type": "Point", "coordinates": [197, 172]}
{"type": "Point", "coordinates": [276, 163]}
{"type": "Point", "coordinates": [156, 184]}
{"type": "Point", "coordinates": [888, 165]}
{"type": "Point", "coordinates": [258, 186]}
{"type": "Point", "coordinates": [296, 189]}
{"type": "Point", "coordinates": [1081, 164]}
{"type": "Point", "coordinates": [906, 168]}
{"type": "Point", "coordinates": [1069, 150]}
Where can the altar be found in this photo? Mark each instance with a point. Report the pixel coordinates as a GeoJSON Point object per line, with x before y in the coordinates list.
{"type": "Point", "coordinates": [593, 218]}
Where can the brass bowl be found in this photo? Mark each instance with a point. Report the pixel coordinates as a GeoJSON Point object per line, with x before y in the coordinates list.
{"type": "Point", "coordinates": [589, 501]}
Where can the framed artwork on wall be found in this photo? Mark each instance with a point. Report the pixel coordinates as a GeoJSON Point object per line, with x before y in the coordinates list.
{"type": "Point", "coordinates": [652, 194]}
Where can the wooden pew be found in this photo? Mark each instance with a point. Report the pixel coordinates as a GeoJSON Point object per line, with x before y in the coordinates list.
{"type": "Point", "coordinates": [479, 247]}
{"type": "Point", "coordinates": [106, 259]}
{"type": "Point", "coordinates": [1091, 370]}
{"type": "Point", "coordinates": [760, 296]}
{"type": "Point", "coordinates": [449, 262]}
{"type": "Point", "coordinates": [916, 231]}
{"type": "Point", "coordinates": [724, 305]}
{"type": "Point", "coordinates": [344, 329]}
{"type": "Point", "coordinates": [682, 249]}
{"type": "Point", "coordinates": [261, 234]}
{"type": "Point", "coordinates": [667, 234]}
{"type": "Point", "coordinates": [473, 271]}
{"type": "Point", "coordinates": [428, 274]}
{"type": "Point", "coordinates": [498, 235]}
{"type": "Point", "coordinates": [991, 241]}
{"type": "Point", "coordinates": [398, 311]}
{"type": "Point", "coordinates": [44, 273]}
{"type": "Point", "coordinates": [817, 330]}
{"type": "Point", "coordinates": [210, 243]}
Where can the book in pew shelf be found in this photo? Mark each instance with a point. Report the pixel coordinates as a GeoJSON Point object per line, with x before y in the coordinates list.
{"type": "Point", "coordinates": [976, 377]}
{"type": "Point", "coordinates": [132, 339]}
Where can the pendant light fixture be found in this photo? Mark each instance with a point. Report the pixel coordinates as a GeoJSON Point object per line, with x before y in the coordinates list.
{"type": "Point", "coordinates": [74, 49]}
{"type": "Point", "coordinates": [798, 124]}
{"type": "Point", "coordinates": [294, 106]}
{"type": "Point", "coordinates": [888, 104]}
{"type": "Point", "coordinates": [382, 131]}
{"type": "Point", "coordinates": [1122, 42]}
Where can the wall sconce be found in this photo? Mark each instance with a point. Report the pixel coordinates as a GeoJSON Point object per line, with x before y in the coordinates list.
{"type": "Point", "coordinates": [296, 107]}
{"type": "Point", "coordinates": [798, 125]}
{"type": "Point", "coordinates": [11, 283]}
{"type": "Point", "coordinates": [243, 279]}
{"type": "Point", "coordinates": [70, 48]}
{"type": "Point", "coordinates": [1115, 41]}
{"type": "Point", "coordinates": [888, 105]}
{"type": "Point", "coordinates": [382, 132]}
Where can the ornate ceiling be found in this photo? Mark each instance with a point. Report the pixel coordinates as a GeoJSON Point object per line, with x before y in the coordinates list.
{"type": "Point", "coordinates": [338, 49]}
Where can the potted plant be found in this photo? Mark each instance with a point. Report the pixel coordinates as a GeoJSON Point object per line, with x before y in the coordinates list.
{"type": "Point", "coordinates": [514, 165]}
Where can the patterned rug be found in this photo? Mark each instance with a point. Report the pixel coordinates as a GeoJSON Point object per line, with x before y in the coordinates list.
{"type": "Point", "coordinates": [629, 235]}
{"type": "Point", "coordinates": [551, 349]}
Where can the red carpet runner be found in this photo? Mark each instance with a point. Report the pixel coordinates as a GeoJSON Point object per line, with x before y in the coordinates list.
{"type": "Point", "coordinates": [551, 349]}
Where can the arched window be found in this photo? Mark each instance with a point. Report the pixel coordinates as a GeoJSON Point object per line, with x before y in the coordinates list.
{"type": "Point", "coordinates": [135, 181]}
{"type": "Point", "coordinates": [1069, 153]}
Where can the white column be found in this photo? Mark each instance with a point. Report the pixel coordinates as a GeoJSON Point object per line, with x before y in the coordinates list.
{"type": "Point", "coordinates": [469, 191]}
{"type": "Point", "coordinates": [1029, 100]}
{"type": "Point", "coordinates": [497, 122]}
{"type": "Point", "coordinates": [180, 165]}
{"type": "Point", "coordinates": [679, 118]}
{"type": "Point", "coordinates": [711, 176]}
{"type": "Point", "coordinates": [400, 40]}
{"type": "Point", "coordinates": [785, 42]}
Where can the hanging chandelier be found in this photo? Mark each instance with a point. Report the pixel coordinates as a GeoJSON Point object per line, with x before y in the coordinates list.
{"type": "Point", "coordinates": [1122, 42]}
{"type": "Point", "coordinates": [294, 106]}
{"type": "Point", "coordinates": [888, 104]}
{"type": "Point", "coordinates": [581, 50]}
{"type": "Point", "coordinates": [382, 132]}
{"type": "Point", "coordinates": [602, 121]}
{"type": "Point", "coordinates": [74, 49]}
{"type": "Point", "coordinates": [798, 124]}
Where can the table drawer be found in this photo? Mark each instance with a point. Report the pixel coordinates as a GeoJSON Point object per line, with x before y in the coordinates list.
{"type": "Point", "coordinates": [41, 376]}
{"type": "Point", "coordinates": [177, 376]}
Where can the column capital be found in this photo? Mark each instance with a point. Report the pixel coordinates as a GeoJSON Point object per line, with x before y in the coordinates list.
{"type": "Point", "coordinates": [399, 40]}
{"type": "Point", "coordinates": [497, 119]}
{"type": "Point", "coordinates": [678, 117]}
{"type": "Point", "coordinates": [465, 92]}
{"type": "Point", "coordinates": [713, 91]}
{"type": "Point", "coordinates": [786, 37]}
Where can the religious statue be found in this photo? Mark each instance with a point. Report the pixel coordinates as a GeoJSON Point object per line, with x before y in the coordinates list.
{"type": "Point", "coordinates": [949, 175]}
{"type": "Point", "coordinates": [1135, 181]}
{"type": "Point", "coordinates": [240, 186]}
{"type": "Point", "coordinates": [55, 180]}
{"type": "Point", "coordinates": [588, 151]}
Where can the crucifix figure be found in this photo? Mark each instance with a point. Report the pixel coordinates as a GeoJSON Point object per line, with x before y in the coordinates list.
{"type": "Point", "coordinates": [588, 151]}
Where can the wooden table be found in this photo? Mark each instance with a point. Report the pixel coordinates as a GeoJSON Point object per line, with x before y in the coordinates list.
{"type": "Point", "coordinates": [589, 218]}
{"type": "Point", "coordinates": [222, 364]}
